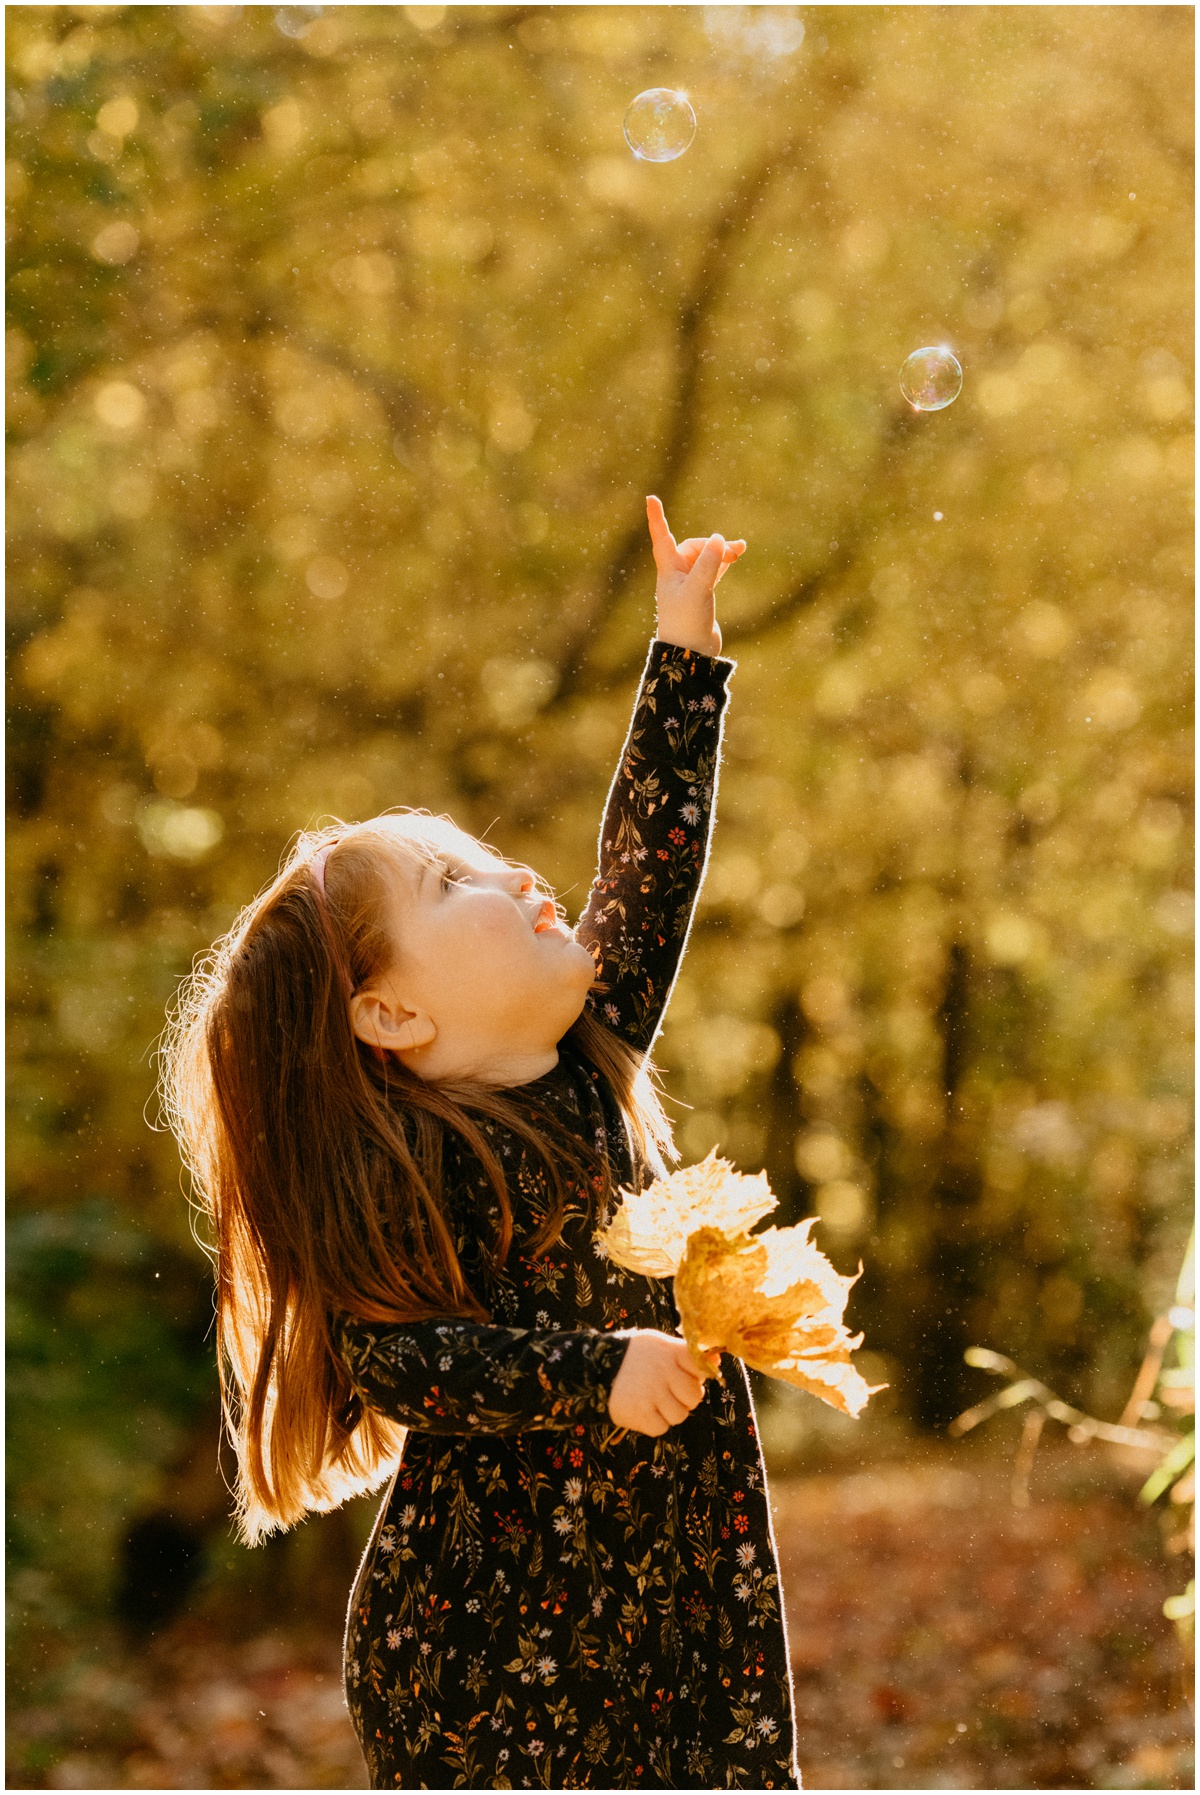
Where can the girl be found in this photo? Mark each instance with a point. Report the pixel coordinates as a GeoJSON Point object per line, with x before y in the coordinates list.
{"type": "Point", "coordinates": [409, 1095]}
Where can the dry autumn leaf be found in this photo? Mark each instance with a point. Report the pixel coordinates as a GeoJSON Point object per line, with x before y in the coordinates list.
{"type": "Point", "coordinates": [772, 1299]}
{"type": "Point", "coordinates": [649, 1233]}
{"type": "Point", "coordinates": [775, 1302]}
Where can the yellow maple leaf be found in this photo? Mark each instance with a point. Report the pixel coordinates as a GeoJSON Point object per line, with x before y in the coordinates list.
{"type": "Point", "coordinates": [772, 1299]}
{"type": "Point", "coordinates": [649, 1233]}
{"type": "Point", "coordinates": [775, 1301]}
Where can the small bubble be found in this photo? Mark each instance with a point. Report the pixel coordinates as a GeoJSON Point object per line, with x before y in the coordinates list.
{"type": "Point", "coordinates": [659, 125]}
{"type": "Point", "coordinates": [937, 517]}
{"type": "Point", "coordinates": [1133, 196]}
{"type": "Point", "coordinates": [294, 21]}
{"type": "Point", "coordinates": [931, 379]}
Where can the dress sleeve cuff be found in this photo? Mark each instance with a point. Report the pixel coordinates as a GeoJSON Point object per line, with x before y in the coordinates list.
{"type": "Point", "coordinates": [710, 669]}
{"type": "Point", "coordinates": [598, 1359]}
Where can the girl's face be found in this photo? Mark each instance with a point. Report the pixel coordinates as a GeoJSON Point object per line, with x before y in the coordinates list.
{"type": "Point", "coordinates": [485, 978]}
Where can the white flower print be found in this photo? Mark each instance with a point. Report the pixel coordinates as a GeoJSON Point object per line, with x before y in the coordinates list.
{"type": "Point", "coordinates": [573, 1489]}
{"type": "Point", "coordinates": [708, 702]}
{"type": "Point", "coordinates": [546, 1667]}
{"type": "Point", "coordinates": [408, 1515]}
{"type": "Point", "coordinates": [562, 1524]}
{"type": "Point", "coordinates": [690, 813]}
{"type": "Point", "coordinates": [393, 1638]}
{"type": "Point", "coordinates": [612, 1012]}
{"type": "Point", "coordinates": [745, 1555]}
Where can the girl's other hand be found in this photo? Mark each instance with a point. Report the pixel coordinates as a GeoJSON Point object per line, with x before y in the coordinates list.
{"type": "Point", "coordinates": [657, 1385]}
{"type": "Point", "coordinates": [687, 577]}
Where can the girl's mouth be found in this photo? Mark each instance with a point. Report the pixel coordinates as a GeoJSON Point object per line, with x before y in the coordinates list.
{"type": "Point", "coordinates": [547, 918]}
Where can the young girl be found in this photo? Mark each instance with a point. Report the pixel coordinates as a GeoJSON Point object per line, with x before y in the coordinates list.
{"type": "Point", "coordinates": [409, 1096]}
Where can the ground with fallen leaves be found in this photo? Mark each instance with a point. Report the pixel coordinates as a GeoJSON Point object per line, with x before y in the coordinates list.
{"type": "Point", "coordinates": [941, 1638]}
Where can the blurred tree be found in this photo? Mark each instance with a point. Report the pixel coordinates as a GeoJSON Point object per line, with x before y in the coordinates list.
{"type": "Point", "coordinates": [340, 364]}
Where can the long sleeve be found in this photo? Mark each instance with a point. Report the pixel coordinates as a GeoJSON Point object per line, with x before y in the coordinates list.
{"type": "Point", "coordinates": [654, 838]}
{"type": "Point", "coordinates": [459, 1377]}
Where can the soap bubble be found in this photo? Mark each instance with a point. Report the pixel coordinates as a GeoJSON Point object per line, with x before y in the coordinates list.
{"type": "Point", "coordinates": [659, 125]}
{"type": "Point", "coordinates": [931, 379]}
{"type": "Point", "coordinates": [294, 21]}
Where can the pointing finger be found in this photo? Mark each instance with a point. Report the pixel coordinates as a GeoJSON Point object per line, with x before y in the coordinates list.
{"type": "Point", "coordinates": [661, 540]}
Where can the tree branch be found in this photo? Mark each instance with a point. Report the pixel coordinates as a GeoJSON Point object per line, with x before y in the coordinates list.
{"type": "Point", "coordinates": [692, 318]}
{"type": "Point", "coordinates": [898, 433]}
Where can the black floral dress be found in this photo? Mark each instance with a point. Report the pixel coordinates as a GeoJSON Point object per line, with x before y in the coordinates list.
{"type": "Point", "coordinates": [545, 1603]}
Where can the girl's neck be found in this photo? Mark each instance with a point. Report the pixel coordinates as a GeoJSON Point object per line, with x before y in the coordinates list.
{"type": "Point", "coordinates": [500, 1072]}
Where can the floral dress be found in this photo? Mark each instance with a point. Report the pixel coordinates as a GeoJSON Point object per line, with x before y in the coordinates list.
{"type": "Point", "coordinates": [545, 1602]}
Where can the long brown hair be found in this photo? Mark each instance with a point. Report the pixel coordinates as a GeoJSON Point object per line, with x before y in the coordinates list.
{"type": "Point", "coordinates": [318, 1167]}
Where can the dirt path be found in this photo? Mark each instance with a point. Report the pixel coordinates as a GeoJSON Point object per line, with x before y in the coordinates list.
{"type": "Point", "coordinates": [940, 1638]}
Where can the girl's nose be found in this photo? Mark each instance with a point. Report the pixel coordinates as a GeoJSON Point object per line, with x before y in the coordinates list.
{"type": "Point", "coordinates": [512, 879]}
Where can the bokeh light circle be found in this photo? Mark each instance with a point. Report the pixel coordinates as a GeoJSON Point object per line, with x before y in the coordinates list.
{"type": "Point", "coordinates": [931, 379]}
{"type": "Point", "coordinates": [659, 125]}
{"type": "Point", "coordinates": [294, 21]}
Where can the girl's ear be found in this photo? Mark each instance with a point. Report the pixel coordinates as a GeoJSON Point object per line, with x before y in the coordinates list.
{"type": "Point", "coordinates": [380, 1021]}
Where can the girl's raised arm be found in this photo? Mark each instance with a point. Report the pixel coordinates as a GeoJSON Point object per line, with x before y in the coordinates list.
{"type": "Point", "coordinates": [658, 819]}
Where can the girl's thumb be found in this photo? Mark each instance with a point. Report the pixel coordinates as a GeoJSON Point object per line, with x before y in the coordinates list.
{"type": "Point", "coordinates": [712, 554]}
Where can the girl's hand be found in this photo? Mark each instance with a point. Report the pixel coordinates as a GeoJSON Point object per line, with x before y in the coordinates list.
{"type": "Point", "coordinates": [657, 1385]}
{"type": "Point", "coordinates": [687, 576]}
